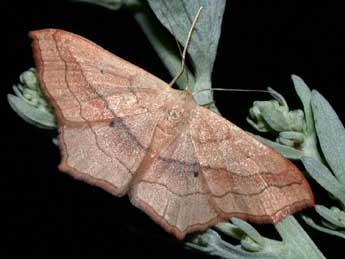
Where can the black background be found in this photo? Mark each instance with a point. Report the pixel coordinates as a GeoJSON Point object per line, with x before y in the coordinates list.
{"type": "Point", "coordinates": [46, 213]}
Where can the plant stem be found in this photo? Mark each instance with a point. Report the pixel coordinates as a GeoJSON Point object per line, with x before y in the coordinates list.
{"type": "Point", "coordinates": [298, 240]}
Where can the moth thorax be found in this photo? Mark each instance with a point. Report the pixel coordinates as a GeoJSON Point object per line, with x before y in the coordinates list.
{"type": "Point", "coordinates": [185, 97]}
{"type": "Point", "coordinates": [177, 113]}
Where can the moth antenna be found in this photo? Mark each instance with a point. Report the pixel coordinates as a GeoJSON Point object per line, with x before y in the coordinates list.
{"type": "Point", "coordinates": [180, 51]}
{"type": "Point", "coordinates": [207, 105]}
{"type": "Point", "coordinates": [277, 96]}
{"type": "Point", "coordinates": [270, 91]}
{"type": "Point", "coordinates": [189, 36]}
{"type": "Point", "coordinates": [177, 43]}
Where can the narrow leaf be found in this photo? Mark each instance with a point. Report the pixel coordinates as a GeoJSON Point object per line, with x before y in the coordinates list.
{"type": "Point", "coordinates": [161, 42]}
{"type": "Point", "coordinates": [311, 223]}
{"type": "Point", "coordinates": [329, 215]}
{"type": "Point", "coordinates": [230, 229]}
{"type": "Point", "coordinates": [275, 118]}
{"type": "Point", "coordinates": [331, 134]}
{"type": "Point", "coordinates": [286, 151]}
{"type": "Point", "coordinates": [31, 114]}
{"type": "Point", "coordinates": [211, 243]}
{"type": "Point", "coordinates": [304, 95]}
{"type": "Point", "coordinates": [297, 240]}
{"type": "Point", "coordinates": [324, 177]}
{"type": "Point", "coordinates": [249, 230]}
{"type": "Point", "coordinates": [177, 17]}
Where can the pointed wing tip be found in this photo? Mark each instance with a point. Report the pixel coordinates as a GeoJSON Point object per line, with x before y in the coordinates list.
{"type": "Point", "coordinates": [45, 31]}
{"type": "Point", "coordinates": [35, 34]}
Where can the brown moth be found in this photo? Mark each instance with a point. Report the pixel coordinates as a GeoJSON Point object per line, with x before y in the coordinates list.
{"type": "Point", "coordinates": [128, 132]}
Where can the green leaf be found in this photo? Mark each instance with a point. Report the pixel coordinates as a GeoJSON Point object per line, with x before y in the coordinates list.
{"type": "Point", "coordinates": [311, 223]}
{"type": "Point", "coordinates": [286, 151]}
{"type": "Point", "coordinates": [296, 137]}
{"type": "Point", "coordinates": [304, 95]}
{"type": "Point", "coordinates": [249, 230]}
{"type": "Point", "coordinates": [332, 215]}
{"type": "Point", "coordinates": [324, 177]}
{"type": "Point", "coordinates": [331, 134]}
{"type": "Point", "coordinates": [275, 118]}
{"type": "Point", "coordinates": [177, 17]}
{"type": "Point", "coordinates": [212, 243]}
{"type": "Point", "coordinates": [278, 97]}
{"type": "Point", "coordinates": [230, 229]}
{"type": "Point", "coordinates": [298, 243]}
{"type": "Point", "coordinates": [31, 114]}
{"type": "Point", "coordinates": [161, 41]}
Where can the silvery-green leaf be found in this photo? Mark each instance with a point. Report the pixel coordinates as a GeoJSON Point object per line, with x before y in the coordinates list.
{"type": "Point", "coordinates": [297, 137]}
{"type": "Point", "coordinates": [260, 126]}
{"type": "Point", "coordinates": [311, 223]}
{"type": "Point", "coordinates": [212, 243]}
{"type": "Point", "coordinates": [162, 43]}
{"type": "Point", "coordinates": [55, 141]}
{"type": "Point", "coordinates": [275, 118]}
{"type": "Point", "coordinates": [31, 114]}
{"type": "Point", "coordinates": [331, 134]}
{"type": "Point", "coordinates": [337, 218]}
{"type": "Point", "coordinates": [327, 224]}
{"type": "Point", "coordinates": [177, 17]}
{"type": "Point", "coordinates": [285, 142]}
{"type": "Point", "coordinates": [299, 244]}
{"type": "Point", "coordinates": [286, 151]}
{"type": "Point", "coordinates": [278, 97]}
{"type": "Point", "coordinates": [295, 244]}
{"type": "Point", "coordinates": [249, 230]}
{"type": "Point", "coordinates": [324, 177]}
{"type": "Point", "coordinates": [230, 229]}
{"type": "Point", "coordinates": [304, 95]}
{"type": "Point", "coordinates": [250, 245]}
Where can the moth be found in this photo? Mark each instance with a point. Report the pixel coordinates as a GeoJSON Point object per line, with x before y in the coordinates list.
{"type": "Point", "coordinates": [128, 132]}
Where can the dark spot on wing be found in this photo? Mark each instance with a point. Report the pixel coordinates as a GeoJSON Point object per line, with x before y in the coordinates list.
{"type": "Point", "coordinates": [112, 123]}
